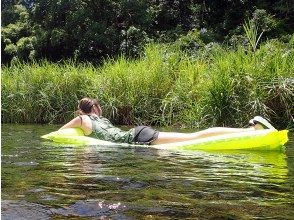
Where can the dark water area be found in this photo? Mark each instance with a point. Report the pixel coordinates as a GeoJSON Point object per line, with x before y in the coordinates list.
{"type": "Point", "coordinates": [43, 180]}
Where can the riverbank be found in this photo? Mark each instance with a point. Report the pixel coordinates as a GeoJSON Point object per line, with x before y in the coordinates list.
{"type": "Point", "coordinates": [164, 87]}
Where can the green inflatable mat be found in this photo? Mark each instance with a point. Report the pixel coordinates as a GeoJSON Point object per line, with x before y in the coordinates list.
{"type": "Point", "coordinates": [266, 140]}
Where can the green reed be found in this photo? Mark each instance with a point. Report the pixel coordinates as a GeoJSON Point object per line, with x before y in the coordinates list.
{"type": "Point", "coordinates": [163, 87]}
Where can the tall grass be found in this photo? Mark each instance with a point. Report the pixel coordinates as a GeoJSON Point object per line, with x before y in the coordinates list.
{"type": "Point", "coordinates": [163, 87]}
{"type": "Point", "coordinates": [251, 31]}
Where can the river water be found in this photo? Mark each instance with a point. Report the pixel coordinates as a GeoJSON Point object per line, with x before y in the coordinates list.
{"type": "Point", "coordinates": [43, 180]}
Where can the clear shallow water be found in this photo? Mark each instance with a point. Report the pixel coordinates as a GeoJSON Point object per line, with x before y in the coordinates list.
{"type": "Point", "coordinates": [42, 180]}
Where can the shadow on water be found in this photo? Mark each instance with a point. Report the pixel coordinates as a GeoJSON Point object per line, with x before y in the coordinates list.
{"type": "Point", "coordinates": [41, 180]}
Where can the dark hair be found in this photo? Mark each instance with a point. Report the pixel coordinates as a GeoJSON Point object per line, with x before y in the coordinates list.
{"type": "Point", "coordinates": [86, 104]}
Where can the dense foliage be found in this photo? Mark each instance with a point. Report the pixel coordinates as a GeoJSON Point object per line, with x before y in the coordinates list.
{"type": "Point", "coordinates": [195, 63]}
{"type": "Point", "coordinates": [91, 30]}
{"type": "Point", "coordinates": [163, 87]}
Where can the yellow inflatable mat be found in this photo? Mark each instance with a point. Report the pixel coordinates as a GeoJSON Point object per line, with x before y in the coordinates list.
{"type": "Point", "coordinates": [267, 139]}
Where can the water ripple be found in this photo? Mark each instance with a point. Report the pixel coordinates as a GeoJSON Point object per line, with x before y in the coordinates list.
{"type": "Point", "coordinates": [54, 181]}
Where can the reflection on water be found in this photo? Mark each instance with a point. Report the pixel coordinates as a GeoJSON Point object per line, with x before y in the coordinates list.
{"type": "Point", "coordinates": [42, 180]}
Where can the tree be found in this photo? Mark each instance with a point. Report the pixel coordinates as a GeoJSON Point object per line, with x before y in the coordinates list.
{"type": "Point", "coordinates": [17, 39]}
{"type": "Point", "coordinates": [94, 29]}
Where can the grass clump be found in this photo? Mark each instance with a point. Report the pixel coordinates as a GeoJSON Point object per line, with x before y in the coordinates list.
{"type": "Point", "coordinates": [164, 87]}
